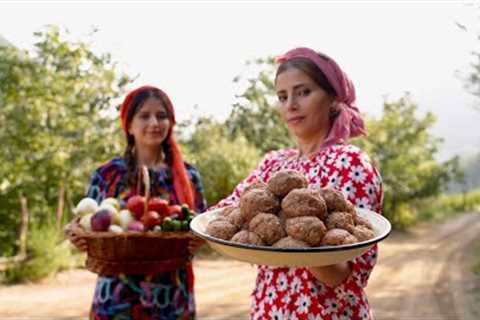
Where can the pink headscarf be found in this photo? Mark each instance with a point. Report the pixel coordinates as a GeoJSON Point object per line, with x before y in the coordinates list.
{"type": "Point", "coordinates": [349, 122]}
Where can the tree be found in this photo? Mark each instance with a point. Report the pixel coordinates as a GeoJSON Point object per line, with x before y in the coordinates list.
{"type": "Point", "coordinates": [404, 151]}
{"type": "Point", "coordinates": [222, 162]}
{"type": "Point", "coordinates": [56, 125]}
{"type": "Point", "coordinates": [254, 115]}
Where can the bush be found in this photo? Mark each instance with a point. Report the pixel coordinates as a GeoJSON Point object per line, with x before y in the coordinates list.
{"type": "Point", "coordinates": [47, 254]}
{"type": "Point", "coordinates": [438, 208]}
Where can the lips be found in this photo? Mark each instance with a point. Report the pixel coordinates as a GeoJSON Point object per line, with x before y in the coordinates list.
{"type": "Point", "coordinates": [295, 120]}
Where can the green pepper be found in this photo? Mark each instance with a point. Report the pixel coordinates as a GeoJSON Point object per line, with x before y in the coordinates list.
{"type": "Point", "coordinates": [177, 225]}
{"type": "Point", "coordinates": [185, 225]}
{"type": "Point", "coordinates": [167, 224]}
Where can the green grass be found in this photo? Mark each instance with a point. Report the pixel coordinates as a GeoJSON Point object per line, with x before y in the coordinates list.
{"type": "Point", "coordinates": [476, 259]}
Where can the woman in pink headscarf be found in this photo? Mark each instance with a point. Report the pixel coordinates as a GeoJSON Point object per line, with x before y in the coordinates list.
{"type": "Point", "coordinates": [316, 100]}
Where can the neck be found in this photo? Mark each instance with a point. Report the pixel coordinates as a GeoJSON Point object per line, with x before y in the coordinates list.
{"type": "Point", "coordinates": [309, 146]}
{"type": "Point", "coordinates": [150, 157]}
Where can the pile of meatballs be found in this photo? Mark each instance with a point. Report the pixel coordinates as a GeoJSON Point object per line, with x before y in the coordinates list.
{"type": "Point", "coordinates": [284, 213]}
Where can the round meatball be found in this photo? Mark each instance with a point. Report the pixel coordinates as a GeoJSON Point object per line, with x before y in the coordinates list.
{"type": "Point", "coordinates": [235, 217]}
{"type": "Point", "coordinates": [362, 233]}
{"type": "Point", "coordinates": [226, 211]}
{"type": "Point", "coordinates": [268, 227]}
{"type": "Point", "coordinates": [341, 220]}
{"type": "Point", "coordinates": [308, 229]}
{"type": "Point", "coordinates": [335, 237]}
{"type": "Point", "coordinates": [335, 200]}
{"type": "Point", "coordinates": [256, 185]}
{"type": "Point", "coordinates": [362, 221]}
{"type": "Point", "coordinates": [284, 181]}
{"type": "Point", "coordinates": [221, 228]}
{"type": "Point", "coordinates": [304, 202]}
{"type": "Point", "coordinates": [290, 243]}
{"type": "Point", "coordinates": [247, 237]}
{"type": "Point", "coordinates": [257, 200]}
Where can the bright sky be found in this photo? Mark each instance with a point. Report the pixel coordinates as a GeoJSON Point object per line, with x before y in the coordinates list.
{"type": "Point", "coordinates": [193, 50]}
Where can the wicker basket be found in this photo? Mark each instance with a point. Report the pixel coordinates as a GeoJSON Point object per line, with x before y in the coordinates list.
{"type": "Point", "coordinates": [140, 253]}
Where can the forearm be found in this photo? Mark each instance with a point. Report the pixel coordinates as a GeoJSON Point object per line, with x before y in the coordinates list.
{"type": "Point", "coordinates": [332, 275]}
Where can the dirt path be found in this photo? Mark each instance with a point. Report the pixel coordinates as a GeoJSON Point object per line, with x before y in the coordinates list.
{"type": "Point", "coordinates": [422, 274]}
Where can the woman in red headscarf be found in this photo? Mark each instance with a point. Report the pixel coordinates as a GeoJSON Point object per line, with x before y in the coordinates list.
{"type": "Point", "coordinates": [316, 100]}
{"type": "Point", "coordinates": [147, 118]}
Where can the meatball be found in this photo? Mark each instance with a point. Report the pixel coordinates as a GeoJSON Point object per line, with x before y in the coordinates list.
{"type": "Point", "coordinates": [363, 233]}
{"type": "Point", "coordinates": [304, 202]}
{"type": "Point", "coordinates": [256, 185]}
{"type": "Point", "coordinates": [335, 237]}
{"type": "Point", "coordinates": [256, 201]}
{"type": "Point", "coordinates": [221, 228]}
{"type": "Point", "coordinates": [284, 181]}
{"type": "Point", "coordinates": [235, 217]}
{"type": "Point", "coordinates": [247, 237]}
{"type": "Point", "coordinates": [341, 220]}
{"type": "Point", "coordinates": [289, 242]}
{"type": "Point", "coordinates": [362, 221]}
{"type": "Point", "coordinates": [226, 211]}
{"type": "Point", "coordinates": [308, 229]}
{"type": "Point", "coordinates": [335, 200]}
{"type": "Point", "coordinates": [268, 227]}
{"type": "Point", "coordinates": [282, 218]}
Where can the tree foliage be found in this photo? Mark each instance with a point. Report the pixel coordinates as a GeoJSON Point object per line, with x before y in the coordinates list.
{"type": "Point", "coordinates": [55, 103]}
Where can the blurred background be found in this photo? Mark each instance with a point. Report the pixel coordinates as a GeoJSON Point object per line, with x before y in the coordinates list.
{"type": "Point", "coordinates": [65, 67]}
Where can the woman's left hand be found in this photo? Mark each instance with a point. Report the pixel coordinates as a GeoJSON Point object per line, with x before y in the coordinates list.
{"type": "Point", "coordinates": [195, 244]}
{"type": "Point", "coordinates": [333, 274]}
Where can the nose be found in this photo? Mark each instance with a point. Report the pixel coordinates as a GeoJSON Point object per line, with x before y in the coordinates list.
{"type": "Point", "coordinates": [292, 103]}
{"type": "Point", "coordinates": [153, 121]}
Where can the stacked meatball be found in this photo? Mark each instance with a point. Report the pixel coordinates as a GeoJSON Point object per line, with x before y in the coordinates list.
{"type": "Point", "coordinates": [284, 213]}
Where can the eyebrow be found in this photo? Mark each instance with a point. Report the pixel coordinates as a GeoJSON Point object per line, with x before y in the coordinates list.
{"type": "Point", "coordinates": [300, 85]}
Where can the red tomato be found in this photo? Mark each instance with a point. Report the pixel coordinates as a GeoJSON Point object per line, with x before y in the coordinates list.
{"type": "Point", "coordinates": [151, 219]}
{"type": "Point", "coordinates": [158, 204]}
{"type": "Point", "coordinates": [136, 206]}
{"type": "Point", "coordinates": [175, 210]}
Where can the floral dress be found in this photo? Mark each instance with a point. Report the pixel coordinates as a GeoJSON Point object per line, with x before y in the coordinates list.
{"type": "Point", "coordinates": [294, 293]}
{"type": "Point", "coordinates": [168, 295]}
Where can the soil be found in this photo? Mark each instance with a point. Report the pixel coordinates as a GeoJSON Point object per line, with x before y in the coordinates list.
{"type": "Point", "coordinates": [421, 274]}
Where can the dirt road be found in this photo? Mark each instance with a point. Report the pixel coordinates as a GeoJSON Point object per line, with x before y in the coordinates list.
{"type": "Point", "coordinates": [423, 274]}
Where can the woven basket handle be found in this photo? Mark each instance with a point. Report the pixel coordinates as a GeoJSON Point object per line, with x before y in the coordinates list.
{"type": "Point", "coordinates": [146, 182]}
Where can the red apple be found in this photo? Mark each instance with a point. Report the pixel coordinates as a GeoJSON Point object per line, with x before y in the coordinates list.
{"type": "Point", "coordinates": [151, 219]}
{"type": "Point", "coordinates": [136, 206]}
{"type": "Point", "coordinates": [101, 220]}
{"type": "Point", "coordinates": [158, 204]}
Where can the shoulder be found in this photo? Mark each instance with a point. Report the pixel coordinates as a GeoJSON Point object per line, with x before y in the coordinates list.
{"type": "Point", "coordinates": [192, 172]}
{"type": "Point", "coordinates": [113, 167]}
{"type": "Point", "coordinates": [349, 152]}
{"type": "Point", "coordinates": [278, 156]}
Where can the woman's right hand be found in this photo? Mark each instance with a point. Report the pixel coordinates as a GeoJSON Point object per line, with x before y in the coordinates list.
{"type": "Point", "coordinates": [71, 232]}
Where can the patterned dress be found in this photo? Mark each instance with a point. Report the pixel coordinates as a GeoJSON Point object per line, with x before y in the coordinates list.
{"type": "Point", "coordinates": [167, 295]}
{"type": "Point", "coordinates": [294, 293]}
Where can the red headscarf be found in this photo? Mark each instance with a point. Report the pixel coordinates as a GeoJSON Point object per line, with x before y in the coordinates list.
{"type": "Point", "coordinates": [181, 182]}
{"type": "Point", "coordinates": [349, 122]}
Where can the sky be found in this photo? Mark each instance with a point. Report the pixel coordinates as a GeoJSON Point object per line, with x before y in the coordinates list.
{"type": "Point", "coordinates": [193, 50]}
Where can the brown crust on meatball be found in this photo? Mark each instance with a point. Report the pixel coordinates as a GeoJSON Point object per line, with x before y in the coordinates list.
{"type": "Point", "coordinates": [256, 185]}
{"type": "Point", "coordinates": [221, 229]}
{"type": "Point", "coordinates": [340, 220]}
{"type": "Point", "coordinates": [284, 181]}
{"type": "Point", "coordinates": [268, 227]}
{"type": "Point", "coordinates": [336, 201]}
{"type": "Point", "coordinates": [361, 221]}
{"type": "Point", "coordinates": [307, 229]}
{"type": "Point", "coordinates": [257, 200]}
{"type": "Point", "coordinates": [235, 217]}
{"type": "Point", "coordinates": [290, 243]}
{"type": "Point", "coordinates": [362, 233]}
{"type": "Point", "coordinates": [304, 202]}
{"type": "Point", "coordinates": [335, 237]}
{"type": "Point", "coordinates": [247, 237]}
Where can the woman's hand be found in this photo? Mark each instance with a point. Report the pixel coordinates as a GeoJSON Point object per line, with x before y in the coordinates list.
{"type": "Point", "coordinates": [195, 244]}
{"type": "Point", "coordinates": [332, 275]}
{"type": "Point", "coordinates": [71, 232]}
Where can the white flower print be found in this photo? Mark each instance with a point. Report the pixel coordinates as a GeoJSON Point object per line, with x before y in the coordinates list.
{"type": "Point", "coordinates": [343, 161]}
{"type": "Point", "coordinates": [286, 299]}
{"type": "Point", "coordinates": [282, 284]}
{"type": "Point", "coordinates": [349, 190]}
{"type": "Point", "coordinates": [330, 159]}
{"type": "Point", "coordinates": [292, 316]}
{"type": "Point", "coordinates": [314, 171]}
{"type": "Point", "coordinates": [357, 174]}
{"type": "Point", "coordinates": [365, 161]}
{"type": "Point", "coordinates": [303, 303]}
{"type": "Point", "coordinates": [296, 286]}
{"type": "Point", "coordinates": [261, 308]}
{"type": "Point", "coordinates": [347, 314]}
{"type": "Point", "coordinates": [340, 292]}
{"type": "Point", "coordinates": [331, 306]}
{"type": "Point", "coordinates": [363, 202]}
{"type": "Point", "coordinates": [351, 298]}
{"type": "Point", "coordinates": [276, 314]}
{"type": "Point", "coordinates": [268, 276]}
{"type": "Point", "coordinates": [314, 317]}
{"type": "Point", "coordinates": [271, 294]}
{"type": "Point", "coordinates": [364, 315]}
{"type": "Point", "coordinates": [260, 289]}
{"type": "Point", "coordinates": [369, 189]}
{"type": "Point", "coordinates": [305, 274]}
{"type": "Point", "coordinates": [334, 180]}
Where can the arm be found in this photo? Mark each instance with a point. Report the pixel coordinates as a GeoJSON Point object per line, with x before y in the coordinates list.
{"type": "Point", "coordinates": [361, 183]}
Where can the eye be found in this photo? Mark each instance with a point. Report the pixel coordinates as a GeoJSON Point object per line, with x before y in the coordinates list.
{"type": "Point", "coordinates": [304, 92]}
{"type": "Point", "coordinates": [162, 116]}
{"type": "Point", "coordinates": [144, 116]}
{"type": "Point", "coordinates": [282, 98]}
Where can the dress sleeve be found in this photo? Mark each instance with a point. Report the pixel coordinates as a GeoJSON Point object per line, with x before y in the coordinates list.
{"type": "Point", "coordinates": [255, 175]}
{"type": "Point", "coordinates": [97, 188]}
{"type": "Point", "coordinates": [361, 183]}
{"type": "Point", "coordinates": [200, 201]}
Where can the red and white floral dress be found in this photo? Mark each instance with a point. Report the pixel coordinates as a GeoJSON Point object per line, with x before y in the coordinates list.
{"type": "Point", "coordinates": [294, 293]}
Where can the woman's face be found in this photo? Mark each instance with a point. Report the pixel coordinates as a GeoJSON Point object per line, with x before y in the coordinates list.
{"type": "Point", "coordinates": [303, 104]}
{"type": "Point", "coordinates": [150, 124]}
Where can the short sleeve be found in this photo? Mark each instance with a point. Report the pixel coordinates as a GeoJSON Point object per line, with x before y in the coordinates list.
{"type": "Point", "coordinates": [200, 202]}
